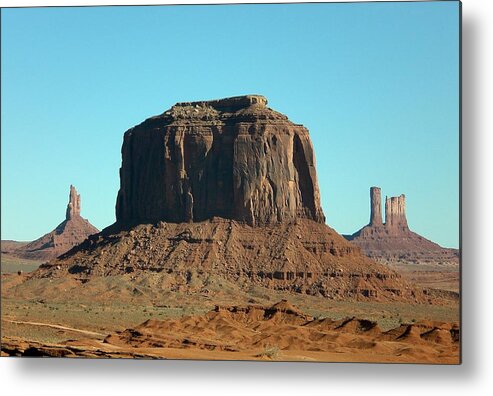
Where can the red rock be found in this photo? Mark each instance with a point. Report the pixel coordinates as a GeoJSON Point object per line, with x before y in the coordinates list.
{"type": "Point", "coordinates": [233, 158]}
{"type": "Point", "coordinates": [393, 240]}
{"type": "Point", "coordinates": [376, 206]}
{"type": "Point", "coordinates": [227, 189]}
{"type": "Point", "coordinates": [73, 207]}
{"type": "Point", "coordinates": [69, 233]}
{"type": "Point", "coordinates": [395, 213]}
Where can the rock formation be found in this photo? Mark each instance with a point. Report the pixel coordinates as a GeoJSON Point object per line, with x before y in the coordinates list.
{"type": "Point", "coordinates": [226, 189]}
{"type": "Point", "coordinates": [234, 158]}
{"type": "Point", "coordinates": [376, 207]}
{"type": "Point", "coordinates": [71, 232]}
{"type": "Point", "coordinates": [395, 213]}
{"type": "Point", "coordinates": [73, 206]}
{"type": "Point", "coordinates": [393, 240]}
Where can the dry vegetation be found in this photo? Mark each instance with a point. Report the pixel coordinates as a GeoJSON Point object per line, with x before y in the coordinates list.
{"type": "Point", "coordinates": [54, 311]}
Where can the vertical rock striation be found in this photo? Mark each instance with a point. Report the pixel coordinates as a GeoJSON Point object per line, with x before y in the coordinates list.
{"type": "Point", "coordinates": [393, 240]}
{"type": "Point", "coordinates": [233, 158]}
{"type": "Point", "coordinates": [73, 206]}
{"type": "Point", "coordinates": [395, 213]}
{"type": "Point", "coordinates": [376, 207]}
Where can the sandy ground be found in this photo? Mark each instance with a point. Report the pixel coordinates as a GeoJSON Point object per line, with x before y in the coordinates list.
{"type": "Point", "coordinates": [11, 264]}
{"type": "Point", "coordinates": [432, 275]}
{"type": "Point", "coordinates": [56, 318]}
{"type": "Point", "coordinates": [281, 332]}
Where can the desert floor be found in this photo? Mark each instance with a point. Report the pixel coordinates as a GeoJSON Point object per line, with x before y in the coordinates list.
{"type": "Point", "coordinates": [48, 319]}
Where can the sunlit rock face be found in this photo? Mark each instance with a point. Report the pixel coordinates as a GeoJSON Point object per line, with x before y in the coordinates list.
{"type": "Point", "coordinates": [233, 158]}
{"type": "Point", "coordinates": [393, 240]}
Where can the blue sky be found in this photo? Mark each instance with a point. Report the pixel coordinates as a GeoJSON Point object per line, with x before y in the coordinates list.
{"type": "Point", "coordinates": [377, 85]}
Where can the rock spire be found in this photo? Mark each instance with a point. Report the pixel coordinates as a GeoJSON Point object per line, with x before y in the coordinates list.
{"type": "Point", "coordinates": [395, 212]}
{"type": "Point", "coordinates": [73, 207]}
{"type": "Point", "coordinates": [69, 233]}
{"type": "Point", "coordinates": [393, 240]}
{"type": "Point", "coordinates": [376, 206]}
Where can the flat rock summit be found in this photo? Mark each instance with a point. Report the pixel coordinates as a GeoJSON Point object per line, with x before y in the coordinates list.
{"type": "Point", "coordinates": [233, 158]}
{"type": "Point", "coordinates": [226, 189]}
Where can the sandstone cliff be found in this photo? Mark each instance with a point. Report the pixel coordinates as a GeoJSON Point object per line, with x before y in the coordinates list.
{"type": "Point", "coordinates": [395, 214]}
{"type": "Point", "coordinates": [233, 158]}
{"type": "Point", "coordinates": [376, 207]}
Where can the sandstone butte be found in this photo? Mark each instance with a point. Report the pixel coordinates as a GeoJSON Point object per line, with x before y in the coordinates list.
{"type": "Point", "coordinates": [226, 189]}
{"type": "Point", "coordinates": [393, 240]}
{"type": "Point", "coordinates": [69, 233]}
{"type": "Point", "coordinates": [232, 158]}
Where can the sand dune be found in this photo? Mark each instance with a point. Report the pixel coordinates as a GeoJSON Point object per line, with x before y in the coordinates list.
{"type": "Point", "coordinates": [279, 332]}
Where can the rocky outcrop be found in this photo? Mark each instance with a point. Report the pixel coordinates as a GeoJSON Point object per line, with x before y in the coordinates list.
{"type": "Point", "coordinates": [226, 189]}
{"type": "Point", "coordinates": [304, 257]}
{"type": "Point", "coordinates": [73, 206]}
{"type": "Point", "coordinates": [395, 213]}
{"type": "Point", "coordinates": [376, 207]}
{"type": "Point", "coordinates": [71, 232]}
{"type": "Point", "coordinates": [393, 240]}
{"type": "Point", "coordinates": [233, 158]}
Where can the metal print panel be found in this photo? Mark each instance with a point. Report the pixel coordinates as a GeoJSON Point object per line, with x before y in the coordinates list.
{"type": "Point", "coordinates": [271, 182]}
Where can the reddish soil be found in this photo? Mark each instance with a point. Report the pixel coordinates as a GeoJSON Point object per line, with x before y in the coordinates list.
{"type": "Point", "coordinates": [279, 332]}
{"type": "Point", "coordinates": [304, 257]}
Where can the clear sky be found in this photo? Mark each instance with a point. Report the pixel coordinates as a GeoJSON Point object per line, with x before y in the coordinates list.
{"type": "Point", "coordinates": [377, 85]}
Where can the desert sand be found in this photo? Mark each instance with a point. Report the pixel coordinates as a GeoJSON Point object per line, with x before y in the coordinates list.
{"type": "Point", "coordinates": [279, 332]}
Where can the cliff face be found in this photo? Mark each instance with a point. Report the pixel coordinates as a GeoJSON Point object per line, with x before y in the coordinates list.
{"type": "Point", "coordinates": [395, 213]}
{"type": "Point", "coordinates": [233, 158]}
{"type": "Point", "coordinates": [393, 240]}
{"type": "Point", "coordinates": [376, 207]}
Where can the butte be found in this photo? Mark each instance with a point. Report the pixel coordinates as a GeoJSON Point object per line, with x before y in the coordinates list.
{"type": "Point", "coordinates": [226, 189]}
{"type": "Point", "coordinates": [393, 241]}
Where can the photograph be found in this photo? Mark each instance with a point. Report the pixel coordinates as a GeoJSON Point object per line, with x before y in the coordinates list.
{"type": "Point", "coordinates": [236, 182]}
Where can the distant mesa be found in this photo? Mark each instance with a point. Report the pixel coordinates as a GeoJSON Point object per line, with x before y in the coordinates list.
{"type": "Point", "coordinates": [226, 189]}
{"type": "Point", "coordinates": [395, 212]}
{"type": "Point", "coordinates": [71, 232]}
{"type": "Point", "coordinates": [393, 240]}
